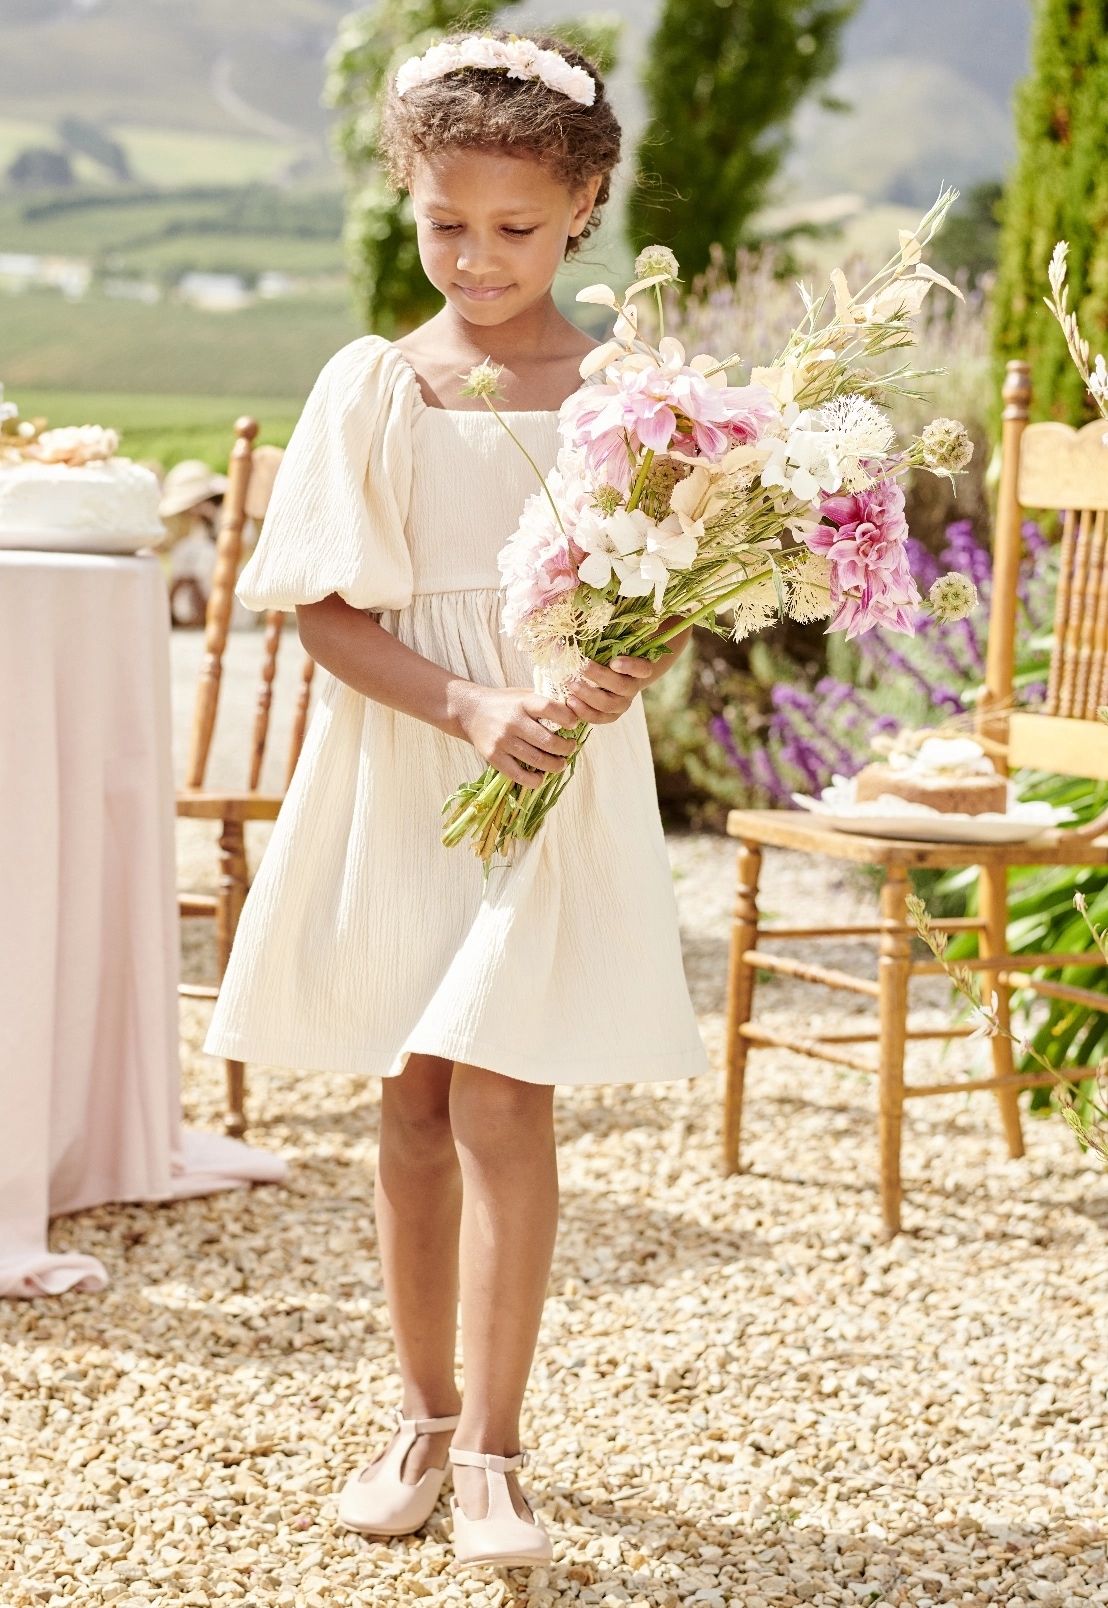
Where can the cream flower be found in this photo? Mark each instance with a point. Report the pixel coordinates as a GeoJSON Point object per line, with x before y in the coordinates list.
{"type": "Point", "coordinates": [518, 58]}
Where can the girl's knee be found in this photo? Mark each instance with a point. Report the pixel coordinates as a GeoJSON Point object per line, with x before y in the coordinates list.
{"type": "Point", "coordinates": [487, 1106]}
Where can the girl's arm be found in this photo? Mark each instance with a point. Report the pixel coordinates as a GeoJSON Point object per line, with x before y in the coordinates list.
{"type": "Point", "coordinates": [503, 724]}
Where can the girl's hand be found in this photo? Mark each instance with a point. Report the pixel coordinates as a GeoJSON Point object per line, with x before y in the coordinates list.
{"type": "Point", "coordinates": [602, 693]}
{"type": "Point", "coordinates": [504, 725]}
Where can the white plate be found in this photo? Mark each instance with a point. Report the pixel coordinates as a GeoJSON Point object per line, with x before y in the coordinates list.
{"type": "Point", "coordinates": [941, 829]}
{"type": "Point", "coordinates": [77, 541]}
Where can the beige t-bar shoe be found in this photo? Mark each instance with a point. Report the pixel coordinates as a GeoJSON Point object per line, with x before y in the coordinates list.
{"type": "Point", "coordinates": [377, 1500]}
{"type": "Point", "coordinates": [501, 1537]}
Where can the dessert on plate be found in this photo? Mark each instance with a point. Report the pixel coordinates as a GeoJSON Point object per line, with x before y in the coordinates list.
{"type": "Point", "coordinates": [952, 775]}
{"type": "Point", "coordinates": [67, 490]}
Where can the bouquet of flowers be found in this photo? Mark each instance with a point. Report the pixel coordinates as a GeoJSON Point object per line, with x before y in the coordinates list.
{"type": "Point", "coordinates": [678, 499]}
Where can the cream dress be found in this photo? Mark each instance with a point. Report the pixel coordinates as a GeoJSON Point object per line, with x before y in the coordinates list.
{"type": "Point", "coordinates": [363, 940]}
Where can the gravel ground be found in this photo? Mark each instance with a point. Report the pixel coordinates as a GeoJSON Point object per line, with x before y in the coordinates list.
{"type": "Point", "coordinates": [741, 1397]}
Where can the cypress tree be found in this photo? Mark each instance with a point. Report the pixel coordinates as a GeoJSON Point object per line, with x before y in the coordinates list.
{"type": "Point", "coordinates": [722, 80]}
{"type": "Point", "coordinates": [1058, 191]}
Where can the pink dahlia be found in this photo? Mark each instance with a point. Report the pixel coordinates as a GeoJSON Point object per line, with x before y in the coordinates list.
{"type": "Point", "coordinates": [865, 539]}
{"type": "Point", "coordinates": [660, 410]}
{"type": "Point", "coordinates": [536, 564]}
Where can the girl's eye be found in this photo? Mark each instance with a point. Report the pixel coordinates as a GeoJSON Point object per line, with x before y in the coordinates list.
{"type": "Point", "coordinates": [444, 228]}
{"type": "Point", "coordinates": [519, 234]}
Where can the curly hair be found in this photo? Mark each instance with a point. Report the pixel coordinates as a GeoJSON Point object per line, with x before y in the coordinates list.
{"type": "Point", "coordinates": [478, 108]}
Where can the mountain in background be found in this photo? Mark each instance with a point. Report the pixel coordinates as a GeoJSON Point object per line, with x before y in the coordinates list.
{"type": "Point", "coordinates": [928, 81]}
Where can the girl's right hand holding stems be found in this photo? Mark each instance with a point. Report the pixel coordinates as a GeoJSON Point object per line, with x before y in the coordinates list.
{"type": "Point", "coordinates": [505, 725]}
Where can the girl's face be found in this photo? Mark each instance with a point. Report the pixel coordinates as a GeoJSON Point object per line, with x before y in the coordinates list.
{"type": "Point", "coordinates": [492, 229]}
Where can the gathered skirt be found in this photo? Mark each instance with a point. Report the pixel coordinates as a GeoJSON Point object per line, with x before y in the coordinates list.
{"type": "Point", "coordinates": [364, 940]}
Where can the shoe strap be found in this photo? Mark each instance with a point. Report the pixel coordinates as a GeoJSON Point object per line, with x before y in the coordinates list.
{"type": "Point", "coordinates": [489, 1461]}
{"type": "Point", "coordinates": [425, 1426]}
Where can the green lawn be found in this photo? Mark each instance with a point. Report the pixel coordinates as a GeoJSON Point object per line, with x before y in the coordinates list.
{"type": "Point", "coordinates": [271, 349]}
{"type": "Point", "coordinates": [164, 428]}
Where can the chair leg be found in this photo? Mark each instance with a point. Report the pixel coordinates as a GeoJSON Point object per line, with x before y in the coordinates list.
{"type": "Point", "coordinates": [993, 900]}
{"type": "Point", "coordinates": [232, 896]}
{"type": "Point", "coordinates": [892, 976]}
{"type": "Point", "coordinates": [740, 999]}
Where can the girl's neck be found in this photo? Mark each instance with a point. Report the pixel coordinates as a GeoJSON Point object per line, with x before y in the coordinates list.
{"type": "Point", "coordinates": [527, 337]}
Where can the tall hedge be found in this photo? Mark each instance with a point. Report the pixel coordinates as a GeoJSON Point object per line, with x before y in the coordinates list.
{"type": "Point", "coordinates": [1058, 191]}
{"type": "Point", "coordinates": [722, 81]}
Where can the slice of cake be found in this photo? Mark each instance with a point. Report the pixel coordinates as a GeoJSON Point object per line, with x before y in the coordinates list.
{"type": "Point", "coordinates": [954, 776]}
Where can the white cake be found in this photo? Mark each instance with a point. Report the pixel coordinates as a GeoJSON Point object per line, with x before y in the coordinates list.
{"type": "Point", "coordinates": [100, 505]}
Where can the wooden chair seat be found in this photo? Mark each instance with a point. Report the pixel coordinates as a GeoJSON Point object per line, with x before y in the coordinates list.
{"type": "Point", "coordinates": [792, 829]}
{"type": "Point", "coordinates": [1044, 466]}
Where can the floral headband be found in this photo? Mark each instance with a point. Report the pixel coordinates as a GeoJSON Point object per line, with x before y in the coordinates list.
{"type": "Point", "coordinates": [519, 58]}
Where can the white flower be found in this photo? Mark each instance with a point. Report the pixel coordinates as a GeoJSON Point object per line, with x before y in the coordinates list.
{"type": "Point", "coordinates": [1098, 380]}
{"type": "Point", "coordinates": [76, 444]}
{"type": "Point", "coordinates": [601, 295]}
{"type": "Point", "coordinates": [947, 448]}
{"type": "Point", "coordinates": [860, 431]}
{"type": "Point", "coordinates": [986, 1023]}
{"type": "Point", "coordinates": [656, 261]}
{"type": "Point", "coordinates": [952, 597]}
{"type": "Point", "coordinates": [483, 379]}
{"type": "Point", "coordinates": [755, 607]}
{"type": "Point", "coordinates": [902, 299]}
{"type": "Point", "coordinates": [808, 589]}
{"type": "Point", "coordinates": [804, 462]}
{"type": "Point", "coordinates": [636, 549]}
{"type": "Point", "coordinates": [518, 58]}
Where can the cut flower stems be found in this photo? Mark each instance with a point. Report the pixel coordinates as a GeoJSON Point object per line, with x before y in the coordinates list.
{"type": "Point", "coordinates": [678, 500]}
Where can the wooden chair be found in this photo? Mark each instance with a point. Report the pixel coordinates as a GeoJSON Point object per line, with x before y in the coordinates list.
{"type": "Point", "coordinates": [248, 486]}
{"type": "Point", "coordinates": [1045, 466]}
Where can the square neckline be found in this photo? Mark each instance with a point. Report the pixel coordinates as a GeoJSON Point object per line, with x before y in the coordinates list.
{"type": "Point", "coordinates": [455, 413]}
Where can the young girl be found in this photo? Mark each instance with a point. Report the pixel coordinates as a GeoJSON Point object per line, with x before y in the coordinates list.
{"type": "Point", "coordinates": [366, 946]}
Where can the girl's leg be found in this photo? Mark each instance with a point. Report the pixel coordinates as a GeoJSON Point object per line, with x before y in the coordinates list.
{"type": "Point", "coordinates": [419, 1204]}
{"type": "Point", "coordinates": [504, 1132]}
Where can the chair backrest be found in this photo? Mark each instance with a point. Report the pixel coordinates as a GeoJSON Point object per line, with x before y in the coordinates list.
{"type": "Point", "coordinates": [250, 475]}
{"type": "Point", "coordinates": [1051, 466]}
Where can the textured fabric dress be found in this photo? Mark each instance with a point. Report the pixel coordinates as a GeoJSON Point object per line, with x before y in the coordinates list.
{"type": "Point", "coordinates": [363, 940]}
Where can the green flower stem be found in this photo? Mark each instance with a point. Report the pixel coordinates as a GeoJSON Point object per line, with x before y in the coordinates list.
{"type": "Point", "coordinates": [542, 478]}
{"type": "Point", "coordinates": [640, 481]}
{"type": "Point", "coordinates": [661, 314]}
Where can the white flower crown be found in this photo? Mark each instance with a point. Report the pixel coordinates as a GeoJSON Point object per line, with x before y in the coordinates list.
{"type": "Point", "coordinates": [519, 58]}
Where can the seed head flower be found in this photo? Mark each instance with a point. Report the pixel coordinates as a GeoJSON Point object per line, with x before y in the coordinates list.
{"type": "Point", "coordinates": [952, 597]}
{"type": "Point", "coordinates": [947, 448]}
{"type": "Point", "coordinates": [483, 379]}
{"type": "Point", "coordinates": [656, 260]}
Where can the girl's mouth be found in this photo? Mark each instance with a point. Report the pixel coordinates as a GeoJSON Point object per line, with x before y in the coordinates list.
{"type": "Point", "coordinates": [484, 292]}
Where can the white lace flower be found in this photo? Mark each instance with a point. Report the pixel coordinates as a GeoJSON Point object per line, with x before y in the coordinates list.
{"type": "Point", "coordinates": [861, 432]}
{"type": "Point", "coordinates": [755, 607]}
{"type": "Point", "coordinates": [808, 589]}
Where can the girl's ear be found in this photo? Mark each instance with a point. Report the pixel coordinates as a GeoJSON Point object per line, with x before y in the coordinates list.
{"type": "Point", "coordinates": [584, 201]}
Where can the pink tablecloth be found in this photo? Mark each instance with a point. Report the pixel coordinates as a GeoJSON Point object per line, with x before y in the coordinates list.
{"type": "Point", "coordinates": [89, 1068]}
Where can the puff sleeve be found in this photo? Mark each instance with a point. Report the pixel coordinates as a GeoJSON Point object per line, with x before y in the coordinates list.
{"type": "Point", "coordinates": [340, 500]}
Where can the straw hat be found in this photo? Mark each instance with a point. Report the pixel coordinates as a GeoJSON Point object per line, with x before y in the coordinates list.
{"type": "Point", "coordinates": [187, 484]}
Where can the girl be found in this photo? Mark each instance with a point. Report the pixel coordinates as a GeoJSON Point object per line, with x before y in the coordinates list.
{"type": "Point", "coordinates": [365, 945]}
